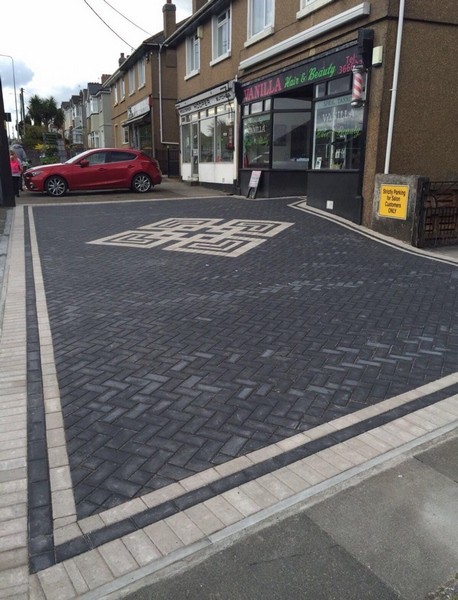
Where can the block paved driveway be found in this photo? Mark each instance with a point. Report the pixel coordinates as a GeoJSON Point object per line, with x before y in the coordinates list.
{"type": "Point", "coordinates": [216, 327]}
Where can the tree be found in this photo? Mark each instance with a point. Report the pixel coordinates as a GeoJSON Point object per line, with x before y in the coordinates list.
{"type": "Point", "coordinates": [43, 111]}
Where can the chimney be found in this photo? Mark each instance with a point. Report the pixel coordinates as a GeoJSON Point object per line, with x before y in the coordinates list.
{"type": "Point", "coordinates": [197, 5]}
{"type": "Point", "coordinates": [105, 78]}
{"type": "Point", "coordinates": [121, 59]}
{"type": "Point", "coordinates": [170, 18]}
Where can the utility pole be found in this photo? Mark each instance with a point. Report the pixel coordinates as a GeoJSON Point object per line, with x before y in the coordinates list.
{"type": "Point", "coordinates": [6, 180]}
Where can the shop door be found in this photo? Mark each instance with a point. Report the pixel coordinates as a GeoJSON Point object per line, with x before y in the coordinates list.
{"type": "Point", "coordinates": [195, 150]}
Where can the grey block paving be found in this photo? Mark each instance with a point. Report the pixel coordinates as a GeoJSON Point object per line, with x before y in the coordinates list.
{"type": "Point", "coordinates": [169, 363]}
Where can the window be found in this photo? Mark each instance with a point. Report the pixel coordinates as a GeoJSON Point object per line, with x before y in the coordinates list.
{"type": "Point", "coordinates": [337, 135]}
{"type": "Point", "coordinates": [221, 35]}
{"type": "Point", "coordinates": [114, 89]}
{"type": "Point", "coordinates": [207, 140]}
{"type": "Point", "coordinates": [308, 6]}
{"type": "Point", "coordinates": [291, 140]}
{"type": "Point", "coordinates": [256, 141]}
{"type": "Point", "coordinates": [186, 142]}
{"type": "Point", "coordinates": [192, 55]}
{"type": "Point", "coordinates": [260, 16]}
{"type": "Point", "coordinates": [125, 135]}
{"type": "Point", "coordinates": [141, 72]}
{"type": "Point", "coordinates": [224, 137]}
{"type": "Point", "coordinates": [119, 156]}
{"type": "Point", "coordinates": [96, 159]}
{"type": "Point", "coordinates": [122, 87]}
{"type": "Point", "coordinates": [131, 81]}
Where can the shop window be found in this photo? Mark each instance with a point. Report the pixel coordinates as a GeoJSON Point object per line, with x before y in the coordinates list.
{"type": "Point", "coordinates": [292, 103]}
{"type": "Point", "coordinates": [337, 134]}
{"type": "Point", "coordinates": [225, 138]}
{"type": "Point", "coordinates": [207, 140]}
{"type": "Point", "coordinates": [339, 86]}
{"type": "Point", "coordinates": [222, 35]}
{"type": "Point", "coordinates": [261, 16]}
{"type": "Point", "coordinates": [291, 140]}
{"type": "Point", "coordinates": [192, 55]}
{"type": "Point", "coordinates": [186, 143]}
{"type": "Point", "coordinates": [256, 141]}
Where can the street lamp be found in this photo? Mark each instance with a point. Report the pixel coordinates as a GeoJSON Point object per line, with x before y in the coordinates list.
{"type": "Point", "coordinates": [15, 95]}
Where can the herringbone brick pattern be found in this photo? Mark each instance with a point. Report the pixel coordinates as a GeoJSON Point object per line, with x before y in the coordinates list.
{"type": "Point", "coordinates": [169, 362]}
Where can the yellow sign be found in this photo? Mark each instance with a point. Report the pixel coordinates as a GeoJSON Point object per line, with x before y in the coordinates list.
{"type": "Point", "coordinates": [393, 201]}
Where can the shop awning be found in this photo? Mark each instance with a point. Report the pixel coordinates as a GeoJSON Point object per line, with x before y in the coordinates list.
{"type": "Point", "coordinates": [137, 119]}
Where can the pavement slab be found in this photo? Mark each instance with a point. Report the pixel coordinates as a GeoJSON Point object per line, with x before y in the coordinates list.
{"type": "Point", "coordinates": [190, 367]}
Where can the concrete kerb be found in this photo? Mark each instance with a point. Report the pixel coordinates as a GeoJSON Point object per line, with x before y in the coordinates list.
{"type": "Point", "coordinates": [5, 241]}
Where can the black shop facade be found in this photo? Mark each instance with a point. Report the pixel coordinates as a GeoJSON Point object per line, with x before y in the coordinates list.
{"type": "Point", "coordinates": [300, 128]}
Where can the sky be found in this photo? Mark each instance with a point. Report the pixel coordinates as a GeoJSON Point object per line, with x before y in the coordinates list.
{"type": "Point", "coordinates": [58, 46]}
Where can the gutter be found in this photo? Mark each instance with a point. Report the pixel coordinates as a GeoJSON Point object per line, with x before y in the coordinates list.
{"type": "Point", "coordinates": [161, 117]}
{"type": "Point", "coordinates": [394, 88]}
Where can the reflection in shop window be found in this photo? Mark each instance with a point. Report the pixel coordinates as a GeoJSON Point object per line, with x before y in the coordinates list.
{"type": "Point", "coordinates": [186, 143]}
{"type": "Point", "coordinates": [290, 143]}
{"type": "Point", "coordinates": [207, 140]}
{"type": "Point", "coordinates": [337, 135]}
{"type": "Point", "coordinates": [256, 141]}
{"type": "Point", "coordinates": [225, 138]}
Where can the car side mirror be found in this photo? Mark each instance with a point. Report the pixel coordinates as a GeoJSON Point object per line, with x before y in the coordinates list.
{"type": "Point", "coordinates": [84, 163]}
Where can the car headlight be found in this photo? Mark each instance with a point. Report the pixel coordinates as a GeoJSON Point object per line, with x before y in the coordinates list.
{"type": "Point", "coordinates": [34, 173]}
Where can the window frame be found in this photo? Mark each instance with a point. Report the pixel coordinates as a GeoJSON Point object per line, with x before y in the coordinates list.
{"type": "Point", "coordinates": [268, 27]}
{"type": "Point", "coordinates": [216, 28]}
{"type": "Point", "coordinates": [309, 6]}
{"type": "Point", "coordinates": [192, 55]}
{"type": "Point", "coordinates": [141, 72]}
{"type": "Point", "coordinates": [122, 89]}
{"type": "Point", "coordinates": [131, 81]}
{"type": "Point", "coordinates": [125, 135]}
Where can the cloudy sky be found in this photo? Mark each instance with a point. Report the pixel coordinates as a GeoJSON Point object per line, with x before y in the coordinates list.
{"type": "Point", "coordinates": [58, 46]}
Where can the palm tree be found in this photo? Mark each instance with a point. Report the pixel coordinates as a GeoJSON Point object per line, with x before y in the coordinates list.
{"type": "Point", "coordinates": [35, 110]}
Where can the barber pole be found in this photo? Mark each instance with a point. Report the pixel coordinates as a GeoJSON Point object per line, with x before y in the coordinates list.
{"type": "Point", "coordinates": [358, 86]}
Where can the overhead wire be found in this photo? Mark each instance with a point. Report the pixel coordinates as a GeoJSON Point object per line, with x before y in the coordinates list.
{"type": "Point", "coordinates": [126, 18]}
{"type": "Point", "coordinates": [105, 23]}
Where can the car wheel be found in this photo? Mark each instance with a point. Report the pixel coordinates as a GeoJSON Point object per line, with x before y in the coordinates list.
{"type": "Point", "coordinates": [142, 183]}
{"type": "Point", "coordinates": [56, 186]}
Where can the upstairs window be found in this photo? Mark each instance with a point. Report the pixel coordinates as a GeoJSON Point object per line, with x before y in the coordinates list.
{"type": "Point", "coordinates": [141, 72]}
{"type": "Point", "coordinates": [114, 89]}
{"type": "Point", "coordinates": [192, 55]}
{"type": "Point", "coordinates": [222, 35]}
{"type": "Point", "coordinates": [131, 81]}
{"type": "Point", "coordinates": [261, 16]}
{"type": "Point", "coordinates": [122, 86]}
{"type": "Point", "coordinates": [308, 6]}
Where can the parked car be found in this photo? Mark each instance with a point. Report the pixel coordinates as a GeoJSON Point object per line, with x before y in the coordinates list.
{"type": "Point", "coordinates": [98, 169]}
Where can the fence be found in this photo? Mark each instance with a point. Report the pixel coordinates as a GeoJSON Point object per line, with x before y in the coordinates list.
{"type": "Point", "coordinates": [438, 218]}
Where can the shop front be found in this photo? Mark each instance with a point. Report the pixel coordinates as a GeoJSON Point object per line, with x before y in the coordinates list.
{"type": "Point", "coordinates": [207, 133]}
{"type": "Point", "coordinates": [301, 128]}
{"type": "Point", "coordinates": [137, 127]}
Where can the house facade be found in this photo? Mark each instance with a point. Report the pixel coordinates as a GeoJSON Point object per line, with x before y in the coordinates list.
{"type": "Point", "coordinates": [318, 95]}
{"type": "Point", "coordinates": [98, 115]}
{"type": "Point", "coordinates": [143, 97]}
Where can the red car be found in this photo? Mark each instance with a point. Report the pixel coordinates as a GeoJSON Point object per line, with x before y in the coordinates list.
{"type": "Point", "coordinates": [98, 169]}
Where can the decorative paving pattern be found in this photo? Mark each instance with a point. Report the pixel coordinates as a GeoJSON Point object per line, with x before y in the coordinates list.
{"type": "Point", "coordinates": [203, 236]}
